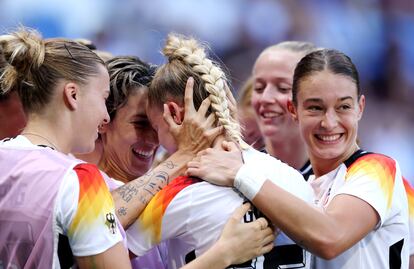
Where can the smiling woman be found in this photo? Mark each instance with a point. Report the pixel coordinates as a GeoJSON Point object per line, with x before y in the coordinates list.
{"type": "Point", "coordinates": [273, 77]}
{"type": "Point", "coordinates": [361, 214]}
{"type": "Point", "coordinates": [62, 86]}
{"type": "Point", "coordinates": [129, 142]}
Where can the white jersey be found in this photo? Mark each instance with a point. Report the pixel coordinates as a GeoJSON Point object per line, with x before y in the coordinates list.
{"type": "Point", "coordinates": [410, 196]}
{"type": "Point", "coordinates": [376, 179]}
{"type": "Point", "coordinates": [81, 217]}
{"type": "Point", "coordinates": [190, 214]}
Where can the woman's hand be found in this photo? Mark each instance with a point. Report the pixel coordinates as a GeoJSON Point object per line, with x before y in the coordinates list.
{"type": "Point", "coordinates": [197, 131]}
{"type": "Point", "coordinates": [217, 166]}
{"type": "Point", "coordinates": [238, 243]}
{"type": "Point", "coordinates": [244, 241]}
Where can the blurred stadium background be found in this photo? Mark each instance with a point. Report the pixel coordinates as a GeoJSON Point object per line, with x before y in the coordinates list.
{"type": "Point", "coordinates": [377, 34]}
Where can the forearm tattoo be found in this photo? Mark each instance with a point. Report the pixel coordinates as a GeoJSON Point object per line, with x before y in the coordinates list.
{"type": "Point", "coordinates": [122, 211]}
{"type": "Point", "coordinates": [127, 192]}
{"type": "Point", "coordinates": [151, 182]}
{"type": "Point", "coordinates": [170, 165]}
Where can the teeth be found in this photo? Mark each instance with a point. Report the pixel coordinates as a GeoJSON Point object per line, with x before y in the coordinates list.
{"type": "Point", "coordinates": [143, 153]}
{"type": "Point", "coordinates": [329, 138]}
{"type": "Point", "coordinates": [270, 114]}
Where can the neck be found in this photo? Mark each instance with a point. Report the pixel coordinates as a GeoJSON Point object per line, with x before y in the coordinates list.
{"type": "Point", "coordinates": [113, 170]}
{"type": "Point", "coordinates": [293, 151]}
{"type": "Point", "coordinates": [95, 156]}
{"type": "Point", "coordinates": [43, 132]}
{"type": "Point", "coordinates": [321, 166]}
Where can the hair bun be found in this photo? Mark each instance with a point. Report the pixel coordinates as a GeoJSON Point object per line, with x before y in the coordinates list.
{"type": "Point", "coordinates": [22, 50]}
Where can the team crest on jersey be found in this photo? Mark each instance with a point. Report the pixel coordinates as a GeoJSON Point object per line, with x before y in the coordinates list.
{"type": "Point", "coordinates": [110, 222]}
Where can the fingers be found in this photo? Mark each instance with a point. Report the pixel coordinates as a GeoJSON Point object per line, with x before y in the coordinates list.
{"type": "Point", "coordinates": [241, 211]}
{"type": "Point", "coordinates": [266, 249]}
{"type": "Point", "coordinates": [269, 238]}
{"type": "Point", "coordinates": [202, 110]}
{"type": "Point", "coordinates": [262, 222]}
{"type": "Point", "coordinates": [211, 119]}
{"type": "Point", "coordinates": [229, 146]}
{"type": "Point", "coordinates": [188, 95]}
{"type": "Point", "coordinates": [213, 133]}
{"type": "Point", "coordinates": [168, 117]}
{"type": "Point", "coordinates": [193, 164]}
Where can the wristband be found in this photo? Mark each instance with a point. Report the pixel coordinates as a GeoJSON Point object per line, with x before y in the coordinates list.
{"type": "Point", "coordinates": [249, 180]}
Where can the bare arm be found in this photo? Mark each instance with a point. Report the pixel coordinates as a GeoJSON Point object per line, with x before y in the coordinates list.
{"type": "Point", "coordinates": [239, 242]}
{"type": "Point", "coordinates": [326, 233]}
{"type": "Point", "coordinates": [131, 198]}
{"type": "Point", "coordinates": [115, 257]}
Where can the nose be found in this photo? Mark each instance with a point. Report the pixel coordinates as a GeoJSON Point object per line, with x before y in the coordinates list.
{"type": "Point", "coordinates": [106, 118]}
{"type": "Point", "coordinates": [271, 95]}
{"type": "Point", "coordinates": [330, 120]}
{"type": "Point", "coordinates": [268, 95]}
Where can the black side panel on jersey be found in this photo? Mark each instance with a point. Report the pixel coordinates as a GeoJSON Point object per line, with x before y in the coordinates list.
{"type": "Point", "coordinates": [395, 254]}
{"type": "Point", "coordinates": [357, 154]}
{"type": "Point", "coordinates": [65, 254]}
{"type": "Point", "coordinates": [284, 256]}
{"type": "Point", "coordinates": [191, 256]}
{"type": "Point", "coordinates": [306, 170]}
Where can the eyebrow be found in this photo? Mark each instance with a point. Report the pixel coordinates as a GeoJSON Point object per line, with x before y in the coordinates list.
{"type": "Point", "coordinates": [318, 100]}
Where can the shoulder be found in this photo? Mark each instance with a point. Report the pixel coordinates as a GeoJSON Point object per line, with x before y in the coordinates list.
{"type": "Point", "coordinates": [371, 163]}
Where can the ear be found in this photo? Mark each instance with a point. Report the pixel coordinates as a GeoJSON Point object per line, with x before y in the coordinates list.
{"type": "Point", "coordinates": [361, 105]}
{"type": "Point", "coordinates": [103, 128]}
{"type": "Point", "coordinates": [177, 112]}
{"type": "Point", "coordinates": [71, 95]}
{"type": "Point", "coordinates": [292, 109]}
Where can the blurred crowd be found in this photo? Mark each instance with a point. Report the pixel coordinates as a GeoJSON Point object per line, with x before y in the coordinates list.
{"type": "Point", "coordinates": [377, 34]}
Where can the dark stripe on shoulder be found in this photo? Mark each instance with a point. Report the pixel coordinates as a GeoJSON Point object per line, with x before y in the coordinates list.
{"type": "Point", "coordinates": [306, 170]}
{"type": "Point", "coordinates": [357, 154]}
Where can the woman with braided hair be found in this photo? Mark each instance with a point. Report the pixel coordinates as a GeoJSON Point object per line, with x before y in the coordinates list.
{"type": "Point", "coordinates": [125, 151]}
{"type": "Point", "coordinates": [56, 210]}
{"type": "Point", "coordinates": [188, 214]}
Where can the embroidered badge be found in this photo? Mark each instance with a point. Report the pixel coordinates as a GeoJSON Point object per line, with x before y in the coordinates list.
{"type": "Point", "coordinates": [110, 222]}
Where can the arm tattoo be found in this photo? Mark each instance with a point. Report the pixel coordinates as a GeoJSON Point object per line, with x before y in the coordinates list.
{"type": "Point", "coordinates": [161, 178]}
{"type": "Point", "coordinates": [151, 183]}
{"type": "Point", "coordinates": [122, 211]}
{"type": "Point", "coordinates": [170, 165]}
{"type": "Point", "coordinates": [127, 191]}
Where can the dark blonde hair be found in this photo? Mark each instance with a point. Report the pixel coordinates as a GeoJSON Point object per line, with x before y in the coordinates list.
{"type": "Point", "coordinates": [325, 59]}
{"type": "Point", "coordinates": [127, 74]}
{"type": "Point", "coordinates": [245, 93]}
{"type": "Point", "coordinates": [35, 66]}
{"type": "Point", "coordinates": [295, 46]}
{"type": "Point", "coordinates": [186, 57]}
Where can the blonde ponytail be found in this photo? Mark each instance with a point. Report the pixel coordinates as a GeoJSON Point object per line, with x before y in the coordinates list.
{"type": "Point", "coordinates": [193, 54]}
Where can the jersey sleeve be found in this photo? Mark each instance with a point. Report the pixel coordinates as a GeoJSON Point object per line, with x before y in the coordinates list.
{"type": "Point", "coordinates": [372, 178]}
{"type": "Point", "coordinates": [86, 211]}
{"type": "Point", "coordinates": [410, 197]}
{"type": "Point", "coordinates": [148, 230]}
{"type": "Point", "coordinates": [279, 173]}
{"type": "Point", "coordinates": [187, 210]}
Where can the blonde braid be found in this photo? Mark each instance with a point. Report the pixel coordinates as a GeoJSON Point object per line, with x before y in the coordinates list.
{"type": "Point", "coordinates": [193, 54]}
